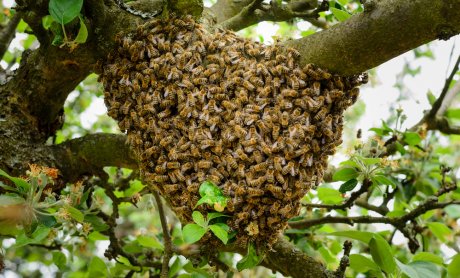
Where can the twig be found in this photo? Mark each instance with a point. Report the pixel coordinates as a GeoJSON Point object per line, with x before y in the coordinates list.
{"type": "Point", "coordinates": [8, 33]}
{"type": "Point", "coordinates": [167, 238]}
{"type": "Point", "coordinates": [434, 109]}
{"type": "Point", "coordinates": [345, 261]}
{"type": "Point", "coordinates": [349, 202]}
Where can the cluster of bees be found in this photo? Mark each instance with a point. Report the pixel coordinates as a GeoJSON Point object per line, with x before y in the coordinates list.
{"type": "Point", "coordinates": [200, 106]}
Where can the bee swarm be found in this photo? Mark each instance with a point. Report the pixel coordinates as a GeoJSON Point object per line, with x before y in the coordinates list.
{"type": "Point", "coordinates": [213, 106]}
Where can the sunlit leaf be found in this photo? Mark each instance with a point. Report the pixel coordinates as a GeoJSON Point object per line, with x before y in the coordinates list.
{"type": "Point", "coordinates": [440, 230]}
{"type": "Point", "coordinates": [382, 255]}
{"type": "Point", "coordinates": [329, 195]}
{"type": "Point", "coordinates": [340, 14]}
{"type": "Point", "coordinates": [192, 233]}
{"type": "Point", "coordinates": [199, 218]}
{"type": "Point", "coordinates": [97, 268]}
{"type": "Point", "coordinates": [362, 264]}
{"type": "Point", "coordinates": [429, 257]}
{"type": "Point", "coordinates": [64, 11]}
{"type": "Point", "coordinates": [453, 269]}
{"type": "Point", "coordinates": [412, 138]}
{"type": "Point", "coordinates": [219, 232]}
{"type": "Point", "coordinates": [59, 259]}
{"type": "Point", "coordinates": [250, 260]}
{"type": "Point", "coordinates": [75, 213]}
{"type": "Point", "coordinates": [358, 235]}
{"type": "Point", "coordinates": [150, 241]}
{"type": "Point", "coordinates": [345, 174]}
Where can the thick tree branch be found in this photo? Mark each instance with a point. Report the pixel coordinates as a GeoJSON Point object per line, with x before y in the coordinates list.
{"type": "Point", "coordinates": [90, 153]}
{"type": "Point", "coordinates": [377, 35]}
{"type": "Point", "coordinates": [288, 260]}
{"type": "Point", "coordinates": [8, 33]}
{"type": "Point", "coordinates": [257, 11]}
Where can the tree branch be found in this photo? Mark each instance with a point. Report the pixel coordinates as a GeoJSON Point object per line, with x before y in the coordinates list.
{"type": "Point", "coordinates": [434, 119]}
{"type": "Point", "coordinates": [377, 35]}
{"type": "Point", "coordinates": [257, 11]}
{"type": "Point", "coordinates": [167, 238]}
{"type": "Point", "coordinates": [90, 153]}
{"type": "Point", "coordinates": [8, 33]}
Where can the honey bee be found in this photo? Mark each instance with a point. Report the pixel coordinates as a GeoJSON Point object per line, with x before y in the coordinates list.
{"type": "Point", "coordinates": [203, 164]}
{"type": "Point", "coordinates": [231, 161]}
{"type": "Point", "coordinates": [257, 182]}
{"type": "Point", "coordinates": [161, 178]}
{"type": "Point", "coordinates": [240, 190]}
{"type": "Point", "coordinates": [274, 208]}
{"type": "Point", "coordinates": [193, 188]}
{"type": "Point", "coordinates": [321, 113]}
{"type": "Point", "coordinates": [271, 221]}
{"type": "Point", "coordinates": [285, 210]}
{"type": "Point", "coordinates": [255, 192]}
{"type": "Point", "coordinates": [289, 169]}
{"type": "Point", "coordinates": [315, 146]}
{"type": "Point", "coordinates": [279, 177]}
{"type": "Point", "coordinates": [240, 172]}
{"type": "Point", "coordinates": [171, 188]}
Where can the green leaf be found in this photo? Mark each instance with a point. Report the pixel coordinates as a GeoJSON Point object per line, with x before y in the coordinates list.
{"type": "Point", "coordinates": [431, 97]}
{"type": "Point", "coordinates": [382, 180]}
{"type": "Point", "coordinates": [97, 223]}
{"type": "Point", "coordinates": [348, 186]}
{"type": "Point", "coordinates": [440, 230]}
{"type": "Point", "coordinates": [345, 174]}
{"type": "Point", "coordinates": [453, 269]}
{"type": "Point", "coordinates": [175, 267]}
{"type": "Point", "coordinates": [46, 220]}
{"type": "Point", "coordinates": [453, 113]}
{"type": "Point", "coordinates": [199, 219]}
{"type": "Point", "coordinates": [412, 138]}
{"type": "Point", "coordinates": [208, 188]}
{"type": "Point", "coordinates": [429, 257]}
{"type": "Point", "coordinates": [97, 268]}
{"type": "Point", "coordinates": [20, 183]}
{"type": "Point", "coordinates": [407, 269]}
{"type": "Point", "coordinates": [362, 264]}
{"type": "Point", "coordinates": [425, 269]}
{"type": "Point", "coordinates": [82, 32]}
{"type": "Point", "coordinates": [453, 211]}
{"type": "Point", "coordinates": [371, 160]}
{"type": "Point", "coordinates": [39, 234]}
{"type": "Point", "coordinates": [11, 200]}
{"type": "Point", "coordinates": [59, 259]}
{"type": "Point", "coordinates": [219, 232]}
{"type": "Point", "coordinates": [340, 14]}
{"type": "Point", "coordinates": [94, 236]}
{"type": "Point", "coordinates": [329, 195]}
{"type": "Point", "coordinates": [358, 235]}
{"type": "Point", "coordinates": [75, 214]}
{"type": "Point", "coordinates": [64, 11]}
{"type": "Point", "coordinates": [382, 255]}
{"type": "Point", "coordinates": [213, 215]}
{"type": "Point", "coordinates": [212, 195]}
{"type": "Point", "coordinates": [150, 242]}
{"type": "Point", "coordinates": [47, 21]}
{"type": "Point", "coordinates": [400, 148]}
{"type": "Point", "coordinates": [193, 232]}
{"type": "Point", "coordinates": [250, 260]}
